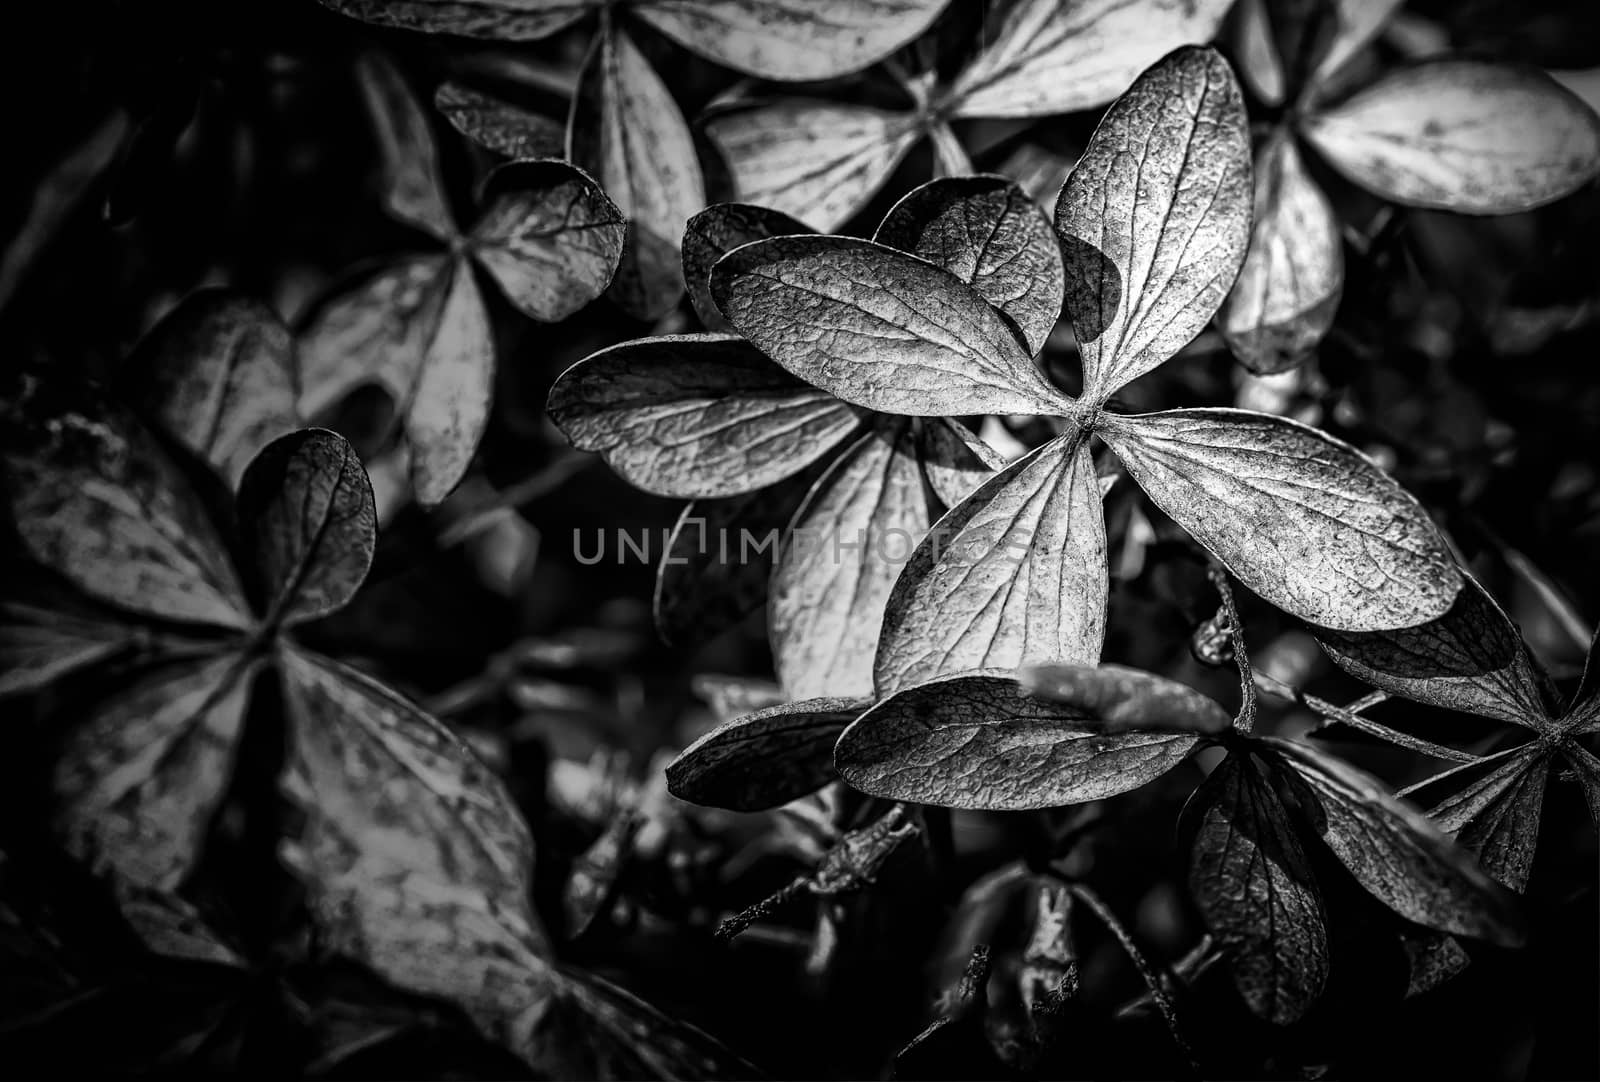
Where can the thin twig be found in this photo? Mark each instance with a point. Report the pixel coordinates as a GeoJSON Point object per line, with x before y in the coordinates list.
{"type": "Point", "coordinates": [1459, 768]}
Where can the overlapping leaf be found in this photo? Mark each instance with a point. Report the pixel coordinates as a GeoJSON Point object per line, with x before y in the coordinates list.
{"type": "Point", "coordinates": [766, 758]}
{"type": "Point", "coordinates": [1119, 699]}
{"type": "Point", "coordinates": [498, 125]}
{"type": "Point", "coordinates": [1496, 818]}
{"type": "Point", "coordinates": [718, 230]}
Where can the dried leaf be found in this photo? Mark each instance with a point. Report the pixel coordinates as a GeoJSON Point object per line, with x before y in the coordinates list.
{"type": "Point", "coordinates": [218, 375]}
{"type": "Point", "coordinates": [1357, 23]}
{"type": "Point", "coordinates": [1462, 135]}
{"type": "Point", "coordinates": [1049, 57]}
{"type": "Point", "coordinates": [954, 461]}
{"type": "Point", "coordinates": [1253, 885]}
{"type": "Point", "coordinates": [417, 862]}
{"type": "Point", "coordinates": [450, 407]}
{"type": "Point", "coordinates": [500, 126]}
{"type": "Point", "coordinates": [1287, 293]}
{"type": "Point", "coordinates": [1496, 818]}
{"type": "Point", "coordinates": [139, 781]}
{"type": "Point", "coordinates": [307, 519]}
{"type": "Point", "coordinates": [549, 236]}
{"type": "Point", "coordinates": [1470, 659]}
{"type": "Point", "coordinates": [1015, 575]}
{"type": "Point", "coordinates": [94, 497]}
{"type": "Point", "coordinates": [1303, 519]}
{"type": "Point", "coordinates": [696, 415]}
{"type": "Point", "coordinates": [987, 232]}
{"type": "Point", "coordinates": [1393, 851]}
{"type": "Point", "coordinates": [715, 232]}
{"type": "Point", "coordinates": [626, 130]}
{"type": "Point", "coordinates": [790, 39]}
{"type": "Point", "coordinates": [1588, 769]}
{"type": "Point", "coordinates": [47, 633]}
{"type": "Point", "coordinates": [412, 190]}
{"type": "Point", "coordinates": [1155, 218]}
{"type": "Point", "coordinates": [1259, 63]}
{"type": "Point", "coordinates": [979, 741]}
{"type": "Point", "coordinates": [849, 540]}
{"type": "Point", "coordinates": [507, 20]}
{"type": "Point", "coordinates": [879, 328]}
{"type": "Point", "coordinates": [817, 161]}
{"type": "Point", "coordinates": [764, 759]}
{"type": "Point", "coordinates": [1119, 699]}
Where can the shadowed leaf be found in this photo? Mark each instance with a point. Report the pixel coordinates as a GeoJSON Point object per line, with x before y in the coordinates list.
{"type": "Point", "coordinates": [987, 232]}
{"type": "Point", "coordinates": [1119, 699]}
{"type": "Point", "coordinates": [979, 741]}
{"type": "Point", "coordinates": [307, 519]}
{"type": "Point", "coordinates": [48, 630]}
{"type": "Point", "coordinates": [498, 125]}
{"type": "Point", "coordinates": [412, 190]}
{"type": "Point", "coordinates": [1462, 135]}
{"type": "Point", "coordinates": [879, 328]}
{"type": "Point", "coordinates": [1496, 818]}
{"type": "Point", "coordinates": [1304, 520]}
{"type": "Point", "coordinates": [450, 406]}
{"type": "Point", "coordinates": [1155, 218]}
{"type": "Point", "coordinates": [696, 415]}
{"type": "Point", "coordinates": [954, 461]}
{"type": "Point", "coordinates": [1357, 22]}
{"type": "Point", "coordinates": [766, 758]}
{"type": "Point", "coordinates": [715, 232]}
{"type": "Point", "coordinates": [508, 20]}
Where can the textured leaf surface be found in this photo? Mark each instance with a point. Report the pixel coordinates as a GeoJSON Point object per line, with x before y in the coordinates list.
{"type": "Point", "coordinates": [628, 133]}
{"type": "Point", "coordinates": [1470, 659]}
{"type": "Point", "coordinates": [1155, 218]}
{"type": "Point", "coordinates": [417, 862]}
{"type": "Point", "coordinates": [1015, 575]}
{"type": "Point", "coordinates": [307, 519]}
{"type": "Point", "coordinates": [813, 160]}
{"type": "Point", "coordinates": [412, 190]}
{"type": "Point", "coordinates": [715, 232]}
{"type": "Point", "coordinates": [1251, 881]}
{"type": "Point", "coordinates": [1496, 818]}
{"type": "Point", "coordinates": [1117, 698]}
{"type": "Point", "coordinates": [879, 328]}
{"type": "Point", "coordinates": [1304, 520]}
{"type": "Point", "coordinates": [218, 375]}
{"type": "Point", "coordinates": [850, 538]}
{"type": "Point", "coordinates": [696, 415]}
{"type": "Point", "coordinates": [1462, 135]}
{"type": "Point", "coordinates": [764, 759]}
{"type": "Point", "coordinates": [139, 780]}
{"type": "Point", "coordinates": [954, 461]}
{"type": "Point", "coordinates": [1400, 857]}
{"type": "Point", "coordinates": [1287, 293]}
{"type": "Point", "coordinates": [979, 741]}
{"type": "Point", "coordinates": [499, 125]}
{"type": "Point", "coordinates": [791, 39]}
{"type": "Point", "coordinates": [987, 232]}
{"type": "Point", "coordinates": [549, 236]}
{"type": "Point", "coordinates": [1049, 57]}
{"type": "Point", "coordinates": [95, 498]}
{"type": "Point", "coordinates": [509, 20]}
{"type": "Point", "coordinates": [450, 406]}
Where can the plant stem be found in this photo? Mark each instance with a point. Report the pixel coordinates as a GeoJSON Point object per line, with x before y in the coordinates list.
{"type": "Point", "coordinates": [1245, 722]}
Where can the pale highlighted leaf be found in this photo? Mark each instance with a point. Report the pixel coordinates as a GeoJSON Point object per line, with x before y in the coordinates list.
{"type": "Point", "coordinates": [139, 781]}
{"type": "Point", "coordinates": [954, 461]}
{"type": "Point", "coordinates": [1395, 853]}
{"type": "Point", "coordinates": [1119, 699]}
{"type": "Point", "coordinates": [412, 189]}
{"type": "Point", "coordinates": [307, 519]}
{"type": "Point", "coordinates": [1286, 295]}
{"type": "Point", "coordinates": [696, 415]}
{"type": "Point", "coordinates": [1303, 519]}
{"type": "Point", "coordinates": [500, 126]}
{"type": "Point", "coordinates": [1155, 218]}
{"type": "Point", "coordinates": [1252, 883]}
{"type": "Point", "coordinates": [817, 161]}
{"type": "Point", "coordinates": [1470, 659]}
{"type": "Point", "coordinates": [987, 232]}
{"type": "Point", "coordinates": [1014, 575]}
{"type": "Point", "coordinates": [549, 236]}
{"type": "Point", "coordinates": [764, 759]}
{"type": "Point", "coordinates": [449, 407]}
{"type": "Point", "coordinates": [1052, 57]}
{"type": "Point", "coordinates": [93, 497]}
{"type": "Point", "coordinates": [800, 40]}
{"type": "Point", "coordinates": [715, 232]}
{"type": "Point", "coordinates": [218, 375]}
{"type": "Point", "coordinates": [507, 20]}
{"type": "Point", "coordinates": [879, 328]}
{"type": "Point", "coordinates": [1496, 818]}
{"type": "Point", "coordinates": [979, 741]}
{"type": "Point", "coordinates": [1462, 135]}
{"type": "Point", "coordinates": [848, 542]}
{"type": "Point", "coordinates": [626, 130]}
